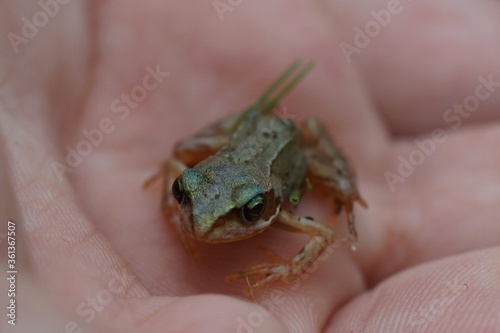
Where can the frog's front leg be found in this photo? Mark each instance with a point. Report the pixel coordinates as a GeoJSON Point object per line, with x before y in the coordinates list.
{"type": "Point", "coordinates": [328, 167]}
{"type": "Point", "coordinates": [321, 237]}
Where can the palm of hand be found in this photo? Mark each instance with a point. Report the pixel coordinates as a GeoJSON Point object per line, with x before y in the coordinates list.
{"type": "Point", "coordinates": [102, 232]}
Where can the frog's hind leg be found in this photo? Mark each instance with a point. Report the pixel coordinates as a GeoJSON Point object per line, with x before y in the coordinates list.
{"type": "Point", "coordinates": [328, 167]}
{"type": "Point", "coordinates": [280, 269]}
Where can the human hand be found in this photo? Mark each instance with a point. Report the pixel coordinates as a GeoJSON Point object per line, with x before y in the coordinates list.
{"type": "Point", "coordinates": [426, 257]}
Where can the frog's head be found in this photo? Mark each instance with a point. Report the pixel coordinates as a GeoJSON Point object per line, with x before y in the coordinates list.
{"type": "Point", "coordinates": [224, 203]}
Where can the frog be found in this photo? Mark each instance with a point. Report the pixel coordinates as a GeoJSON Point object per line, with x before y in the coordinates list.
{"type": "Point", "coordinates": [238, 177]}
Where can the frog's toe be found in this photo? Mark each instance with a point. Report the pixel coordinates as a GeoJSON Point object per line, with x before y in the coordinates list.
{"type": "Point", "coordinates": [256, 270]}
{"type": "Point", "coordinates": [260, 275]}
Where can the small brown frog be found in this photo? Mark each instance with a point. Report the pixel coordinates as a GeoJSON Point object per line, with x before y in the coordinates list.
{"type": "Point", "coordinates": [230, 181]}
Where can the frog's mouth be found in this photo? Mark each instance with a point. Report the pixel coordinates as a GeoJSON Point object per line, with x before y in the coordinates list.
{"type": "Point", "coordinates": [228, 228]}
{"type": "Point", "coordinates": [186, 216]}
{"type": "Point", "coordinates": [235, 230]}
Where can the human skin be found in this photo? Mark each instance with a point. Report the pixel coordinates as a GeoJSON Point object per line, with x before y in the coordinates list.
{"type": "Point", "coordinates": [428, 257]}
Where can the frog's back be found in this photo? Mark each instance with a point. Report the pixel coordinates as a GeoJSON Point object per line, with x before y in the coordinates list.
{"type": "Point", "coordinates": [274, 146]}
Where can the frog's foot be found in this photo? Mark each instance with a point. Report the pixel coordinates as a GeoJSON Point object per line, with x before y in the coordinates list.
{"type": "Point", "coordinates": [287, 271]}
{"type": "Point", "coordinates": [264, 273]}
{"type": "Point", "coordinates": [260, 275]}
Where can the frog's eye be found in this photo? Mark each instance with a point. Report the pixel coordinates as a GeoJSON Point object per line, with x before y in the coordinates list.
{"type": "Point", "coordinates": [177, 190]}
{"type": "Point", "coordinates": [253, 209]}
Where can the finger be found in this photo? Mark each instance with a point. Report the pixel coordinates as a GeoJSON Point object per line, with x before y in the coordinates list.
{"type": "Point", "coordinates": [435, 82]}
{"type": "Point", "coordinates": [198, 314]}
{"type": "Point", "coordinates": [447, 204]}
{"type": "Point", "coordinates": [455, 294]}
{"type": "Point", "coordinates": [65, 249]}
